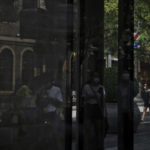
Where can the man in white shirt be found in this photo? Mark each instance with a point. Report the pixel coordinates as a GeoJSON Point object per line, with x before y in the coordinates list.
{"type": "Point", "coordinates": [55, 100]}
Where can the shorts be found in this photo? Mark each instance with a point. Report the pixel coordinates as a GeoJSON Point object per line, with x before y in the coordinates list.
{"type": "Point", "coordinates": [146, 104]}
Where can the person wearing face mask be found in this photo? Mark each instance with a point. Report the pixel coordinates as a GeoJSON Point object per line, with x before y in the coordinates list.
{"type": "Point", "coordinates": [93, 96]}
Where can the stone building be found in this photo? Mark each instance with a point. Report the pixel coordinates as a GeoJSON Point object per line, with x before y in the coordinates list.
{"type": "Point", "coordinates": [26, 55]}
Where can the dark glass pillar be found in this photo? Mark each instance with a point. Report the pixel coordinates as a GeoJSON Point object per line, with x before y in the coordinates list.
{"type": "Point", "coordinates": [80, 114]}
{"type": "Point", "coordinates": [125, 75]}
{"type": "Point", "coordinates": [91, 40]}
{"type": "Point", "coordinates": [68, 111]}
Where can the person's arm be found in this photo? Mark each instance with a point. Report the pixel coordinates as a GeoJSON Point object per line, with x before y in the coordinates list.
{"type": "Point", "coordinates": [105, 107]}
{"type": "Point", "coordinates": [59, 95]}
{"type": "Point", "coordinates": [104, 92]}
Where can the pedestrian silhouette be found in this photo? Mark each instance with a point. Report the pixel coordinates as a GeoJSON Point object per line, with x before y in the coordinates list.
{"type": "Point", "coordinates": [146, 99]}
{"type": "Point", "coordinates": [93, 96]}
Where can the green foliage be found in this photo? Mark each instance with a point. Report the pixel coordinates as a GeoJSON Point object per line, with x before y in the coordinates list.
{"type": "Point", "coordinates": [24, 90]}
{"type": "Point", "coordinates": [111, 25]}
{"type": "Point", "coordinates": [111, 6]}
{"type": "Point", "coordinates": [142, 15]}
{"type": "Point", "coordinates": [24, 98]}
{"type": "Point", "coordinates": [110, 83]}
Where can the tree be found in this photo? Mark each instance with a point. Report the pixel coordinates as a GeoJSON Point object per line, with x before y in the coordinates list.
{"type": "Point", "coordinates": [141, 15]}
{"type": "Point", "coordinates": [111, 25]}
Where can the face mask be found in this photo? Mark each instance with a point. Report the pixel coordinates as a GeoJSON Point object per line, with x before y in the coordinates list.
{"type": "Point", "coordinates": [96, 80]}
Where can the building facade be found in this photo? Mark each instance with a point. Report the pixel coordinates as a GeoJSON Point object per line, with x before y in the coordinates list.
{"type": "Point", "coordinates": [26, 56]}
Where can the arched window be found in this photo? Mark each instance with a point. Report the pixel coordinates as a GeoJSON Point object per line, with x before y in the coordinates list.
{"type": "Point", "coordinates": [27, 67]}
{"type": "Point", "coordinates": [6, 70]}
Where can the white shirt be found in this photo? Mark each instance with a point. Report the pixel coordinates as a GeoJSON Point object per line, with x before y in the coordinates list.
{"type": "Point", "coordinates": [55, 93]}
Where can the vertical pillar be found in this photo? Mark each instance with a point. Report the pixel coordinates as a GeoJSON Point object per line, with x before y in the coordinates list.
{"type": "Point", "coordinates": [135, 67]}
{"type": "Point", "coordinates": [125, 74]}
{"type": "Point", "coordinates": [106, 62]}
{"type": "Point", "coordinates": [91, 39]}
{"type": "Point", "coordinates": [94, 33]}
{"type": "Point", "coordinates": [94, 40]}
{"type": "Point", "coordinates": [139, 65]}
{"type": "Point", "coordinates": [68, 115]}
{"type": "Point", "coordinates": [80, 58]}
{"type": "Point", "coordinates": [109, 61]}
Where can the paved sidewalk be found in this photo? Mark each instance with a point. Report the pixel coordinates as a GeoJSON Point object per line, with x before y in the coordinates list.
{"type": "Point", "coordinates": [141, 137]}
{"type": "Point", "coordinates": [40, 133]}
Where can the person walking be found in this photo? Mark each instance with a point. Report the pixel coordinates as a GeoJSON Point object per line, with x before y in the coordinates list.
{"type": "Point", "coordinates": [54, 100]}
{"type": "Point", "coordinates": [50, 107]}
{"type": "Point", "coordinates": [146, 99]}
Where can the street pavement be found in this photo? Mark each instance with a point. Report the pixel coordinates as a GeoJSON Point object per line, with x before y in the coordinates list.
{"type": "Point", "coordinates": [40, 134]}
{"type": "Point", "coordinates": [142, 135]}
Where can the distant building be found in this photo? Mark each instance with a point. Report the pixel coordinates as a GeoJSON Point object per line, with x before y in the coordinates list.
{"type": "Point", "coordinates": [26, 55]}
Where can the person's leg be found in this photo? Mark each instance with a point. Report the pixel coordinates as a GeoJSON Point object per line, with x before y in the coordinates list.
{"type": "Point", "coordinates": [99, 134]}
{"type": "Point", "coordinates": [98, 130]}
{"type": "Point", "coordinates": [89, 133]}
{"type": "Point", "coordinates": [144, 112]}
{"type": "Point", "coordinates": [88, 125]}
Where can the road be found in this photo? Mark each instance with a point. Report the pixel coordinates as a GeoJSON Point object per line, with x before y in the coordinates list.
{"type": "Point", "coordinates": [141, 137]}
{"type": "Point", "coordinates": [38, 136]}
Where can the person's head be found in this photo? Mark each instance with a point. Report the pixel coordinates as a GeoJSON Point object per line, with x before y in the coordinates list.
{"type": "Point", "coordinates": [48, 85]}
{"type": "Point", "coordinates": [145, 86]}
{"type": "Point", "coordinates": [95, 79]}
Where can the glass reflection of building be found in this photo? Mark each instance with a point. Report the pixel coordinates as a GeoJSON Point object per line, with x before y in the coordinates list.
{"type": "Point", "coordinates": [34, 40]}
{"type": "Point", "coordinates": [25, 54]}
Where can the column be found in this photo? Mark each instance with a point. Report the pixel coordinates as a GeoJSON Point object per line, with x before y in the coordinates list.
{"type": "Point", "coordinates": [125, 74]}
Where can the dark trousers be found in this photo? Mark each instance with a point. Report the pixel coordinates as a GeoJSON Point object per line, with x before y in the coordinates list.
{"type": "Point", "coordinates": [93, 135]}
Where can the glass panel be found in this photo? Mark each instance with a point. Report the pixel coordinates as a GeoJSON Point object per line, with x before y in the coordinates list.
{"type": "Point", "coordinates": [111, 72]}
{"type": "Point", "coordinates": [35, 75]}
{"type": "Point", "coordinates": [141, 48]}
{"type": "Point", "coordinates": [58, 74]}
{"type": "Point", "coordinates": [91, 97]}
